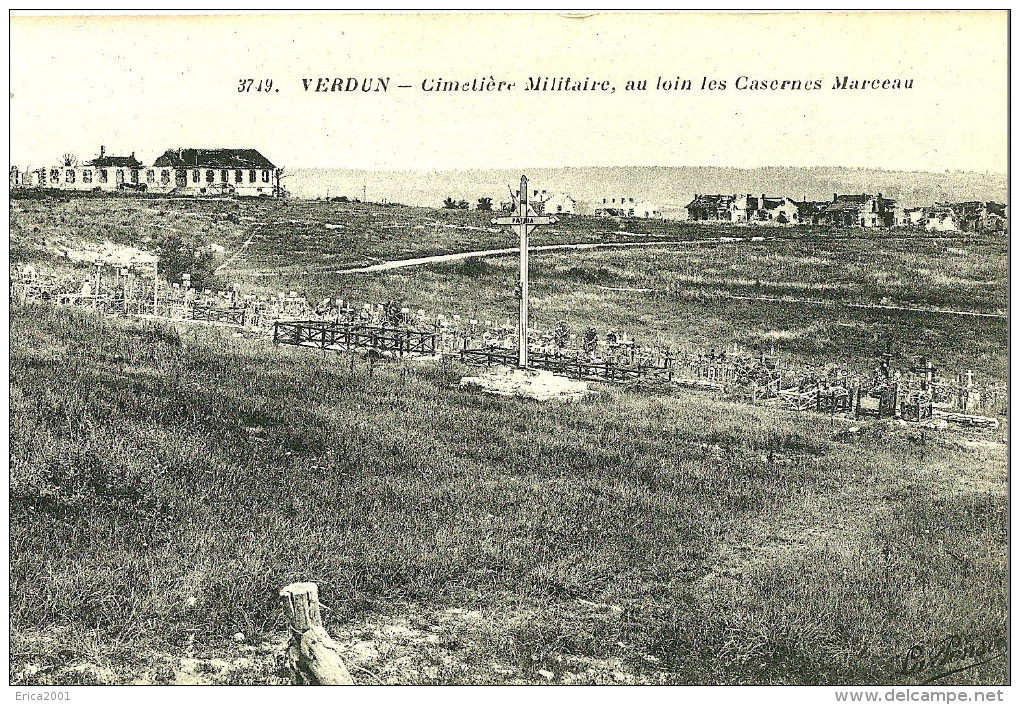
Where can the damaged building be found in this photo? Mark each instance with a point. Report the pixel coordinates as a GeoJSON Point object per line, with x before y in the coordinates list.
{"type": "Point", "coordinates": [240, 172]}
{"type": "Point", "coordinates": [744, 208]}
{"type": "Point", "coordinates": [967, 216]}
{"type": "Point", "coordinates": [859, 211]}
{"type": "Point", "coordinates": [104, 173]}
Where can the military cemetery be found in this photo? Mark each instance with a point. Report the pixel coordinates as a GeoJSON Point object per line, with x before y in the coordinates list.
{"type": "Point", "coordinates": [528, 425]}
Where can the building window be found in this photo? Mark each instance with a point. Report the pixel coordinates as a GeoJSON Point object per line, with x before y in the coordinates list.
{"type": "Point", "coordinates": [70, 176]}
{"type": "Point", "coordinates": [265, 176]}
{"type": "Point", "coordinates": [238, 176]}
{"type": "Point", "coordinates": [251, 176]}
{"type": "Point", "coordinates": [224, 175]}
{"type": "Point", "coordinates": [42, 177]}
{"type": "Point", "coordinates": [194, 176]}
{"type": "Point", "coordinates": [86, 176]}
{"type": "Point", "coordinates": [120, 176]}
{"type": "Point", "coordinates": [103, 176]}
{"type": "Point", "coordinates": [164, 176]}
{"type": "Point", "coordinates": [209, 176]}
{"type": "Point", "coordinates": [55, 175]}
{"type": "Point", "coordinates": [150, 176]}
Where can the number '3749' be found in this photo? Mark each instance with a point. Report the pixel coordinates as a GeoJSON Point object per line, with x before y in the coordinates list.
{"type": "Point", "coordinates": [250, 85]}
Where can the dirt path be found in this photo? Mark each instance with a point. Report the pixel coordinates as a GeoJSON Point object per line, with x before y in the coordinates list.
{"type": "Point", "coordinates": [434, 259]}
{"type": "Point", "coordinates": [247, 243]}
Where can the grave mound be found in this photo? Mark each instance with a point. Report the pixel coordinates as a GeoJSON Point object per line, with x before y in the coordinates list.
{"type": "Point", "coordinates": [531, 384]}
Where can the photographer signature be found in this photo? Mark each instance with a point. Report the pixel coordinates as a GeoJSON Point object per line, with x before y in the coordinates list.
{"type": "Point", "coordinates": [952, 654]}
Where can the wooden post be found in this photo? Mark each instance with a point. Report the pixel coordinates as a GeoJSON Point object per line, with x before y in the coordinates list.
{"type": "Point", "coordinates": [522, 208]}
{"type": "Point", "coordinates": [314, 656]}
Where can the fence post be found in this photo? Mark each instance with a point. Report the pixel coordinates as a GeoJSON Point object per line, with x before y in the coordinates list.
{"type": "Point", "coordinates": [314, 656]}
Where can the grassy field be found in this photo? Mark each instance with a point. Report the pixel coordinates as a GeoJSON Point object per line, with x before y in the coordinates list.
{"type": "Point", "coordinates": [706, 294]}
{"type": "Point", "coordinates": [293, 237]}
{"type": "Point", "coordinates": [166, 482]}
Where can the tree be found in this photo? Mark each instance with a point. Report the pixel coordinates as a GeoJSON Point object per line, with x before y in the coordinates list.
{"type": "Point", "coordinates": [69, 159]}
{"type": "Point", "coordinates": [462, 205]}
{"type": "Point", "coordinates": [449, 203]}
{"type": "Point", "coordinates": [175, 256]}
{"type": "Point", "coordinates": [178, 256]}
{"type": "Point", "coordinates": [484, 203]}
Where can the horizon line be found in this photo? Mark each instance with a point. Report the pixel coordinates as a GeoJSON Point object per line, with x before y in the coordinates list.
{"type": "Point", "coordinates": [986, 172]}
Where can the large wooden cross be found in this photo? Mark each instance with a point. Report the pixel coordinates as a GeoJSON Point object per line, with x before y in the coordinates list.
{"type": "Point", "coordinates": [526, 221]}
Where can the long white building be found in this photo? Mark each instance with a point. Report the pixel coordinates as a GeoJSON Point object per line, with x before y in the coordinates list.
{"type": "Point", "coordinates": [241, 172]}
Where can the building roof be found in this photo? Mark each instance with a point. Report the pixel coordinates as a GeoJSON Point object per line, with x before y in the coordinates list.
{"type": "Point", "coordinates": [105, 161]}
{"type": "Point", "coordinates": [711, 200]}
{"type": "Point", "coordinates": [975, 209]}
{"type": "Point", "coordinates": [811, 206]}
{"type": "Point", "coordinates": [854, 201]}
{"type": "Point", "coordinates": [768, 203]}
{"type": "Point", "coordinates": [214, 158]}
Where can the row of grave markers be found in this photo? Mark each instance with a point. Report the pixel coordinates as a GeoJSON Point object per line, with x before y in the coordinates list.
{"type": "Point", "coordinates": [457, 333]}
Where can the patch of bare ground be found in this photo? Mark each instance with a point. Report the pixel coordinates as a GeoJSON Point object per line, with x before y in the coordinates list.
{"type": "Point", "coordinates": [417, 646]}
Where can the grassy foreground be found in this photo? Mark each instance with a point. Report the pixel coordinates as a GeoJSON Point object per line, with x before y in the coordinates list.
{"type": "Point", "coordinates": [166, 483]}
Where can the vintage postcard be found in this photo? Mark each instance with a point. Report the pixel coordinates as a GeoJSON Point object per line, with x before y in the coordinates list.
{"type": "Point", "coordinates": [532, 348]}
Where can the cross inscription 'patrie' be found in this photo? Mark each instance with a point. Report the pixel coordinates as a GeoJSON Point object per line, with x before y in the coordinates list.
{"type": "Point", "coordinates": [526, 220]}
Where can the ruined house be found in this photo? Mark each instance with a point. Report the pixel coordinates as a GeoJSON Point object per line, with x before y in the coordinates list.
{"type": "Point", "coordinates": [714, 207]}
{"type": "Point", "coordinates": [941, 218]}
{"type": "Point", "coordinates": [627, 207]}
{"type": "Point", "coordinates": [536, 202]}
{"type": "Point", "coordinates": [859, 211]}
{"type": "Point", "coordinates": [104, 173]}
{"type": "Point", "coordinates": [645, 209]}
{"type": "Point", "coordinates": [811, 211]}
{"type": "Point", "coordinates": [910, 217]}
{"type": "Point", "coordinates": [771, 210]}
{"type": "Point", "coordinates": [560, 203]}
{"type": "Point", "coordinates": [744, 208]}
{"type": "Point", "coordinates": [973, 216]}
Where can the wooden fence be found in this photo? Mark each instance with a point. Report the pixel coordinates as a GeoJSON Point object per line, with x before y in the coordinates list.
{"type": "Point", "coordinates": [575, 367]}
{"type": "Point", "coordinates": [213, 314]}
{"type": "Point", "coordinates": [354, 336]}
{"type": "Point", "coordinates": [754, 378]}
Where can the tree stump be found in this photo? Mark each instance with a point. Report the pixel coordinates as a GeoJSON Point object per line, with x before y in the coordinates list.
{"type": "Point", "coordinates": [314, 656]}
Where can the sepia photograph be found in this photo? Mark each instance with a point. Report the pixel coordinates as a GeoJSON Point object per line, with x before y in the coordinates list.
{"type": "Point", "coordinates": [509, 349]}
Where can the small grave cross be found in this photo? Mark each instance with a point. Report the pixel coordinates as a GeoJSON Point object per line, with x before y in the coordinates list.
{"type": "Point", "coordinates": [526, 221]}
{"type": "Point", "coordinates": [927, 371]}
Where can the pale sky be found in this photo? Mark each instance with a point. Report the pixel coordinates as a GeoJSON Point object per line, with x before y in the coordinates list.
{"type": "Point", "coordinates": [146, 84]}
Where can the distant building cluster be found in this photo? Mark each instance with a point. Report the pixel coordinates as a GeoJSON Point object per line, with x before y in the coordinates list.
{"type": "Point", "coordinates": [846, 211]}
{"type": "Point", "coordinates": [246, 172]}
{"type": "Point", "coordinates": [627, 207]}
{"type": "Point", "coordinates": [189, 172]}
{"type": "Point", "coordinates": [563, 204]}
